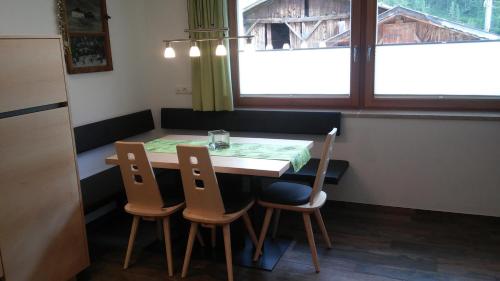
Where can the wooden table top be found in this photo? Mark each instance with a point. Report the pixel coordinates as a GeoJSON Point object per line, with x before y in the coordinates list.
{"type": "Point", "coordinates": [228, 165]}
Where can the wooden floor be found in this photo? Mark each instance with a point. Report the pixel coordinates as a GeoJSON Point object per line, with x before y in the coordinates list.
{"type": "Point", "coordinates": [369, 243]}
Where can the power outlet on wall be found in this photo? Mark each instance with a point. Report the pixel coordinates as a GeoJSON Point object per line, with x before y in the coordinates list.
{"type": "Point", "coordinates": [182, 90]}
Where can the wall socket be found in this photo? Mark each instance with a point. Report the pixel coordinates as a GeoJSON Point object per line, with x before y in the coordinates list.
{"type": "Point", "coordinates": [182, 90]}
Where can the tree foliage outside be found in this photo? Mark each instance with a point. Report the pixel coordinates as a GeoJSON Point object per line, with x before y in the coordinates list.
{"type": "Point", "coordinates": [466, 12]}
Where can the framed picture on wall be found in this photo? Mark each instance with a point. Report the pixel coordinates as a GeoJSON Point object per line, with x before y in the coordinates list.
{"type": "Point", "coordinates": [84, 27]}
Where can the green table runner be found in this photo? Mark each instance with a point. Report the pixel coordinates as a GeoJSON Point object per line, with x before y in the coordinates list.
{"type": "Point", "coordinates": [298, 155]}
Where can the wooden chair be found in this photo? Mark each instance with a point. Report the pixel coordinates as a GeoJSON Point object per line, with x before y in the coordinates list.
{"type": "Point", "coordinates": [299, 198]}
{"type": "Point", "coordinates": [144, 197]}
{"type": "Point", "coordinates": [204, 203]}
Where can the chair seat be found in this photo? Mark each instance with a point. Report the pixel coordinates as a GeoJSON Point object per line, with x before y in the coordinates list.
{"type": "Point", "coordinates": [216, 219]}
{"type": "Point", "coordinates": [148, 212]}
{"type": "Point", "coordinates": [304, 208]}
{"type": "Point", "coordinates": [171, 192]}
{"type": "Point", "coordinates": [286, 193]}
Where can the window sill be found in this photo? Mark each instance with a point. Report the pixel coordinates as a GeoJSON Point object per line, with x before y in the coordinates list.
{"type": "Point", "coordinates": [403, 114]}
{"type": "Point", "coordinates": [438, 115]}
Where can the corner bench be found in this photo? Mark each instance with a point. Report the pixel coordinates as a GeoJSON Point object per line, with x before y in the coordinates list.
{"type": "Point", "coordinates": [106, 186]}
{"type": "Point", "coordinates": [264, 121]}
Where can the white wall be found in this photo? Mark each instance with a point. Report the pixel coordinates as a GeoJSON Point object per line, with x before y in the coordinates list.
{"type": "Point", "coordinates": [93, 96]}
{"type": "Point", "coordinates": [166, 20]}
{"type": "Point", "coordinates": [446, 165]}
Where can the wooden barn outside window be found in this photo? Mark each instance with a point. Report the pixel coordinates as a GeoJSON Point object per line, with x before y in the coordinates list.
{"type": "Point", "coordinates": [397, 52]}
{"type": "Point", "coordinates": [291, 64]}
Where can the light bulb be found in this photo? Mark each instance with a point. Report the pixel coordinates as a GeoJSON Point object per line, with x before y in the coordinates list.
{"type": "Point", "coordinates": [303, 45]}
{"type": "Point", "coordinates": [286, 46]}
{"type": "Point", "coordinates": [169, 52]}
{"type": "Point", "coordinates": [194, 51]}
{"type": "Point", "coordinates": [269, 46]}
{"type": "Point", "coordinates": [221, 50]}
{"type": "Point", "coordinates": [322, 44]}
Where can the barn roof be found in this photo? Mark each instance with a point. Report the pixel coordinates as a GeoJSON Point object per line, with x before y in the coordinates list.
{"type": "Point", "coordinates": [253, 5]}
{"type": "Point", "coordinates": [423, 17]}
{"type": "Point", "coordinates": [398, 10]}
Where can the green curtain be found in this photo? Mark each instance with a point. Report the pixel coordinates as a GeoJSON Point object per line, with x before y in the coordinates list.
{"type": "Point", "coordinates": [211, 74]}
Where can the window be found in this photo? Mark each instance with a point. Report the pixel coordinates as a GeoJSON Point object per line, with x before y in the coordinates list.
{"type": "Point", "coordinates": [422, 54]}
{"type": "Point", "coordinates": [296, 56]}
{"type": "Point", "coordinates": [433, 54]}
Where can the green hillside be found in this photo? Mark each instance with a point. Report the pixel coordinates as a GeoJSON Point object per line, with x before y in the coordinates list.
{"type": "Point", "coordinates": [467, 12]}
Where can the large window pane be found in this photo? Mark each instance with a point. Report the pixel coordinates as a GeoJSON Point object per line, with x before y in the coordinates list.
{"type": "Point", "coordinates": [300, 47]}
{"type": "Point", "coordinates": [437, 48]}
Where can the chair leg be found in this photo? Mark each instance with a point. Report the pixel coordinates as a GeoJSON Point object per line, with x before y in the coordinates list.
{"type": "Point", "coordinates": [251, 232]}
{"type": "Point", "coordinates": [168, 245]}
{"type": "Point", "coordinates": [310, 239]}
{"type": "Point", "coordinates": [213, 233]}
{"type": "Point", "coordinates": [321, 224]}
{"type": "Point", "coordinates": [189, 249]}
{"type": "Point", "coordinates": [200, 238]}
{"type": "Point", "coordinates": [227, 247]}
{"type": "Point", "coordinates": [131, 240]}
{"type": "Point", "coordinates": [276, 223]}
{"type": "Point", "coordinates": [263, 232]}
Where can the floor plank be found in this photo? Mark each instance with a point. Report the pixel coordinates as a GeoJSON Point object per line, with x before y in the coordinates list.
{"type": "Point", "coordinates": [369, 243]}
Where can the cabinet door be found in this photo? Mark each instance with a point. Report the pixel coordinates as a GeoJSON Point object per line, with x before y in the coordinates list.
{"type": "Point", "coordinates": [42, 233]}
{"type": "Point", "coordinates": [31, 73]}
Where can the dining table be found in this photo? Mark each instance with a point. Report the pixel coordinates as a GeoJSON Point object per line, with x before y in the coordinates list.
{"type": "Point", "coordinates": [273, 168]}
{"type": "Point", "coordinates": [268, 164]}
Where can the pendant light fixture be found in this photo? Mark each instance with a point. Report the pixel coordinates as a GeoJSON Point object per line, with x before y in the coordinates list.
{"type": "Point", "coordinates": [194, 51]}
{"type": "Point", "coordinates": [214, 34]}
{"type": "Point", "coordinates": [169, 51]}
{"type": "Point", "coordinates": [221, 49]}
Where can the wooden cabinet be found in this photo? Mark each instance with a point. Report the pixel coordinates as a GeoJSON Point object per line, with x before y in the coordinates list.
{"type": "Point", "coordinates": [31, 73]}
{"type": "Point", "coordinates": [42, 228]}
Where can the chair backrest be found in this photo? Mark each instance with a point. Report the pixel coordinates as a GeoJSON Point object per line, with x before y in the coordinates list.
{"type": "Point", "coordinates": [323, 165]}
{"type": "Point", "coordinates": [201, 188]}
{"type": "Point", "coordinates": [138, 177]}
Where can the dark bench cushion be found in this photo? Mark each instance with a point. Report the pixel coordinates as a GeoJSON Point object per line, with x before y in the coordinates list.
{"type": "Point", "coordinates": [170, 185]}
{"type": "Point", "coordinates": [107, 131]}
{"type": "Point", "coordinates": [286, 193]}
{"type": "Point", "coordinates": [234, 195]}
{"type": "Point", "coordinates": [233, 205]}
{"type": "Point", "coordinates": [101, 188]}
{"type": "Point", "coordinates": [336, 169]}
{"type": "Point", "coordinates": [244, 120]}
